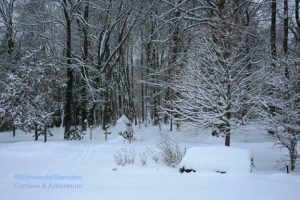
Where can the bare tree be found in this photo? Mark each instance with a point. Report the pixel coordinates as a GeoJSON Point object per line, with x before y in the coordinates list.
{"type": "Point", "coordinates": [7, 14]}
{"type": "Point", "coordinates": [217, 82]}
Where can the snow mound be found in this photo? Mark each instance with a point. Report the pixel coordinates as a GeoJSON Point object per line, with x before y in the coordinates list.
{"type": "Point", "coordinates": [217, 159]}
{"type": "Point", "coordinates": [121, 125]}
{"type": "Point", "coordinates": [123, 120]}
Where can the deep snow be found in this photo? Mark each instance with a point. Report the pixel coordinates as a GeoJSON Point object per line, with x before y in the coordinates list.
{"type": "Point", "coordinates": [83, 170]}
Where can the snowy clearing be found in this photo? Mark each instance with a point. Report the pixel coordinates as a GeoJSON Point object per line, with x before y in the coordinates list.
{"type": "Point", "coordinates": [87, 170]}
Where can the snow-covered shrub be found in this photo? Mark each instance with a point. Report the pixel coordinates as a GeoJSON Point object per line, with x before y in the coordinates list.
{"type": "Point", "coordinates": [143, 158]}
{"type": "Point", "coordinates": [124, 157]}
{"type": "Point", "coordinates": [75, 134]}
{"type": "Point", "coordinates": [124, 126]}
{"type": "Point", "coordinates": [154, 155]}
{"type": "Point", "coordinates": [171, 154]}
{"type": "Point", "coordinates": [218, 159]}
{"type": "Point", "coordinates": [127, 135]}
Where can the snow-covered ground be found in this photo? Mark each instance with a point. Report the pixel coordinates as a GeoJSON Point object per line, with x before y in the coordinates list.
{"type": "Point", "coordinates": [83, 170]}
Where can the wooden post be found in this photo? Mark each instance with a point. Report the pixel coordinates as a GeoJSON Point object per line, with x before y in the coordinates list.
{"type": "Point", "coordinates": [287, 169]}
{"type": "Point", "coordinates": [106, 132]}
{"type": "Point", "coordinates": [91, 132]}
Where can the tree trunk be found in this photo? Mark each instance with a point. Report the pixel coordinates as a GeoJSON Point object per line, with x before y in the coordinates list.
{"type": "Point", "coordinates": [68, 103]}
{"type": "Point", "coordinates": [227, 134]}
{"type": "Point", "coordinates": [228, 109]}
{"type": "Point", "coordinates": [84, 102]}
{"type": "Point", "coordinates": [293, 154]}
{"type": "Point", "coordinates": [69, 90]}
{"type": "Point", "coordinates": [142, 89]}
{"type": "Point", "coordinates": [91, 120]}
{"type": "Point", "coordinates": [62, 116]}
{"type": "Point", "coordinates": [14, 131]}
{"type": "Point", "coordinates": [273, 42]}
{"type": "Point", "coordinates": [106, 112]}
{"type": "Point", "coordinates": [285, 27]}
{"type": "Point", "coordinates": [45, 134]}
{"type": "Point", "coordinates": [36, 134]}
{"type": "Point", "coordinates": [84, 113]}
{"type": "Point", "coordinates": [297, 15]}
{"type": "Point", "coordinates": [10, 42]}
{"type": "Point", "coordinates": [273, 31]}
{"type": "Point", "coordinates": [286, 35]}
{"type": "Point", "coordinates": [173, 62]}
{"type": "Point", "coordinates": [227, 124]}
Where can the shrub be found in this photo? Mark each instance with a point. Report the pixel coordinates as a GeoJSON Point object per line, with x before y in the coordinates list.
{"type": "Point", "coordinates": [127, 135]}
{"type": "Point", "coordinates": [171, 153]}
{"type": "Point", "coordinates": [143, 158]}
{"type": "Point", "coordinates": [124, 157]}
{"type": "Point", "coordinates": [154, 155]}
{"type": "Point", "coordinates": [75, 134]}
